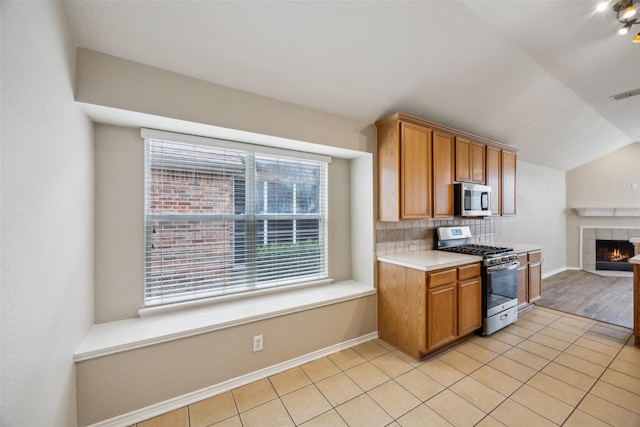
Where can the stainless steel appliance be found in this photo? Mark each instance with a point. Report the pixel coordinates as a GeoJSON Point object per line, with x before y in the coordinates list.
{"type": "Point", "coordinates": [499, 276]}
{"type": "Point", "coordinates": [471, 199]}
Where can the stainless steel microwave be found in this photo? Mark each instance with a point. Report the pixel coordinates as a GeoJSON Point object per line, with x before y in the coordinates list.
{"type": "Point", "coordinates": [471, 199]}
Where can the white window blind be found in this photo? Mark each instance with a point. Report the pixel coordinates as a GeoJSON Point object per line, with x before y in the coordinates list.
{"type": "Point", "coordinates": [223, 218]}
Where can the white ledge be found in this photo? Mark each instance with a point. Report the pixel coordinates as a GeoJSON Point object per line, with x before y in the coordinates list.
{"type": "Point", "coordinates": [608, 211]}
{"type": "Point", "coordinates": [114, 337]}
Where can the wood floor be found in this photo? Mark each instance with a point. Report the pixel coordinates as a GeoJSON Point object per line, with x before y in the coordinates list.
{"type": "Point", "coordinates": [607, 299]}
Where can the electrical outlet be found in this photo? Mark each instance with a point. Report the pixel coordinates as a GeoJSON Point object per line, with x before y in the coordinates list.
{"type": "Point", "coordinates": [634, 186]}
{"type": "Point", "coordinates": [258, 342]}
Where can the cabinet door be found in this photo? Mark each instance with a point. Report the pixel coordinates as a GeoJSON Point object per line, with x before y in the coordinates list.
{"type": "Point", "coordinates": [476, 162]}
{"type": "Point", "coordinates": [508, 183]}
{"type": "Point", "coordinates": [535, 275]}
{"type": "Point", "coordinates": [415, 169]}
{"type": "Point", "coordinates": [441, 316]}
{"type": "Point", "coordinates": [389, 172]}
{"type": "Point", "coordinates": [493, 173]}
{"type": "Point", "coordinates": [442, 175]}
{"type": "Point", "coordinates": [469, 306]}
{"type": "Point", "coordinates": [402, 311]}
{"type": "Point", "coordinates": [463, 160]}
{"type": "Point", "coordinates": [523, 280]}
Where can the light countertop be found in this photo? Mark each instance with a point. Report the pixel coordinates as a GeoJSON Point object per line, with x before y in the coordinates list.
{"type": "Point", "coordinates": [519, 247]}
{"type": "Point", "coordinates": [429, 260]}
{"type": "Point", "coordinates": [635, 259]}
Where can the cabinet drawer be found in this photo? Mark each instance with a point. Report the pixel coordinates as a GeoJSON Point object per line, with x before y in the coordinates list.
{"type": "Point", "coordinates": [469, 271]}
{"type": "Point", "coordinates": [535, 256]}
{"type": "Point", "coordinates": [522, 259]}
{"type": "Point", "coordinates": [442, 278]}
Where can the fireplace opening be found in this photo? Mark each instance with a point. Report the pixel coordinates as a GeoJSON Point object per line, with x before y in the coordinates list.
{"type": "Point", "coordinates": [614, 255]}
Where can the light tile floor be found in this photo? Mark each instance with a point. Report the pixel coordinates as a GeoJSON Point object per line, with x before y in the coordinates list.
{"type": "Point", "coordinates": [547, 369]}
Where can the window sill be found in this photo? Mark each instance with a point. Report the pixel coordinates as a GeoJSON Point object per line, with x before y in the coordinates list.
{"type": "Point", "coordinates": [114, 337]}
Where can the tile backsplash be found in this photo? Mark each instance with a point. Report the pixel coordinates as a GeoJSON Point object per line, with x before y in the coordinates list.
{"type": "Point", "coordinates": [395, 237]}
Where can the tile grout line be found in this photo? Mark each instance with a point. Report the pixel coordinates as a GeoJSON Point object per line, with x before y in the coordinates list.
{"type": "Point", "coordinates": [596, 382]}
{"type": "Point", "coordinates": [466, 375]}
{"type": "Point", "coordinates": [539, 371]}
{"type": "Point", "coordinates": [575, 407]}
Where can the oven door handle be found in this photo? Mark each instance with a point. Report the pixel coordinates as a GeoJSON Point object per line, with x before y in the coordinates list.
{"type": "Point", "coordinates": [503, 267]}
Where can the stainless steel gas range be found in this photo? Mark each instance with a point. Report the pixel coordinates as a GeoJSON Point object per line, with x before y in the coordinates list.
{"type": "Point", "coordinates": [499, 276]}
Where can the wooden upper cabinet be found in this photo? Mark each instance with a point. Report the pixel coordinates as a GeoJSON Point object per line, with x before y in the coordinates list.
{"type": "Point", "coordinates": [494, 178]}
{"type": "Point", "coordinates": [470, 163]}
{"type": "Point", "coordinates": [419, 161]}
{"type": "Point", "coordinates": [415, 169]}
{"type": "Point", "coordinates": [463, 160]}
{"type": "Point", "coordinates": [389, 172]}
{"type": "Point", "coordinates": [404, 171]}
{"type": "Point", "coordinates": [477, 162]}
{"type": "Point", "coordinates": [443, 170]}
{"type": "Point", "coordinates": [508, 183]}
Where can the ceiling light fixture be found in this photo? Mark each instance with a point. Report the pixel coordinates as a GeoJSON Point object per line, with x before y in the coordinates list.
{"type": "Point", "coordinates": [625, 14]}
{"type": "Point", "coordinates": [624, 30]}
{"type": "Point", "coordinates": [629, 12]}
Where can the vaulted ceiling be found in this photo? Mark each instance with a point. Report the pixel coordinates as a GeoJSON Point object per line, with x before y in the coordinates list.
{"type": "Point", "coordinates": [536, 75]}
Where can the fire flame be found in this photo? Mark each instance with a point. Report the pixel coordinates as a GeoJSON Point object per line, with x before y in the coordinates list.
{"type": "Point", "coordinates": [617, 256]}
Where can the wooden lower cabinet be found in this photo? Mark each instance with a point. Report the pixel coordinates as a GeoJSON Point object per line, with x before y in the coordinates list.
{"type": "Point", "coordinates": [535, 275]}
{"type": "Point", "coordinates": [529, 278]}
{"type": "Point", "coordinates": [469, 306]}
{"type": "Point", "coordinates": [419, 312]}
{"type": "Point", "coordinates": [636, 304]}
{"type": "Point", "coordinates": [442, 310]}
{"type": "Point", "coordinates": [523, 280]}
{"type": "Point", "coordinates": [402, 311]}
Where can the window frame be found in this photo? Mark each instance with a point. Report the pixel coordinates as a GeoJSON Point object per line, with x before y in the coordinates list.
{"type": "Point", "coordinates": [251, 285]}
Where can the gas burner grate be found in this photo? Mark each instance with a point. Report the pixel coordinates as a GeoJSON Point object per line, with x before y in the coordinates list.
{"type": "Point", "coordinates": [477, 249]}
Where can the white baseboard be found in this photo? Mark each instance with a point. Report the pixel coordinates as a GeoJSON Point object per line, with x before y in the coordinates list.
{"type": "Point", "coordinates": [558, 270]}
{"type": "Point", "coordinates": [196, 396]}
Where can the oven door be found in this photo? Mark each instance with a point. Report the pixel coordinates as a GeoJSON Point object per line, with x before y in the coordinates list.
{"type": "Point", "coordinates": [500, 288]}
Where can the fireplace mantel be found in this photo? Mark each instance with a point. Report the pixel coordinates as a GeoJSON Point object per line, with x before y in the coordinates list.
{"type": "Point", "coordinates": [608, 211]}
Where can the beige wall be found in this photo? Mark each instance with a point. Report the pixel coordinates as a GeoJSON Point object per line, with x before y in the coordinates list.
{"type": "Point", "coordinates": [119, 269]}
{"type": "Point", "coordinates": [603, 183]}
{"type": "Point", "coordinates": [540, 214]}
{"type": "Point", "coordinates": [119, 230]}
{"type": "Point", "coordinates": [46, 217]}
{"type": "Point", "coordinates": [123, 92]}
{"type": "Point", "coordinates": [123, 382]}
{"type": "Point", "coordinates": [116, 83]}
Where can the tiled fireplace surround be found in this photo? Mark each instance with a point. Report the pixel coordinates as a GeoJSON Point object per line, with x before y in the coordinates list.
{"type": "Point", "coordinates": [589, 235]}
{"type": "Point", "coordinates": [395, 237]}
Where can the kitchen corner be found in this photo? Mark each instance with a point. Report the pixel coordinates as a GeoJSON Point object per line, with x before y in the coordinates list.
{"type": "Point", "coordinates": [430, 299]}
